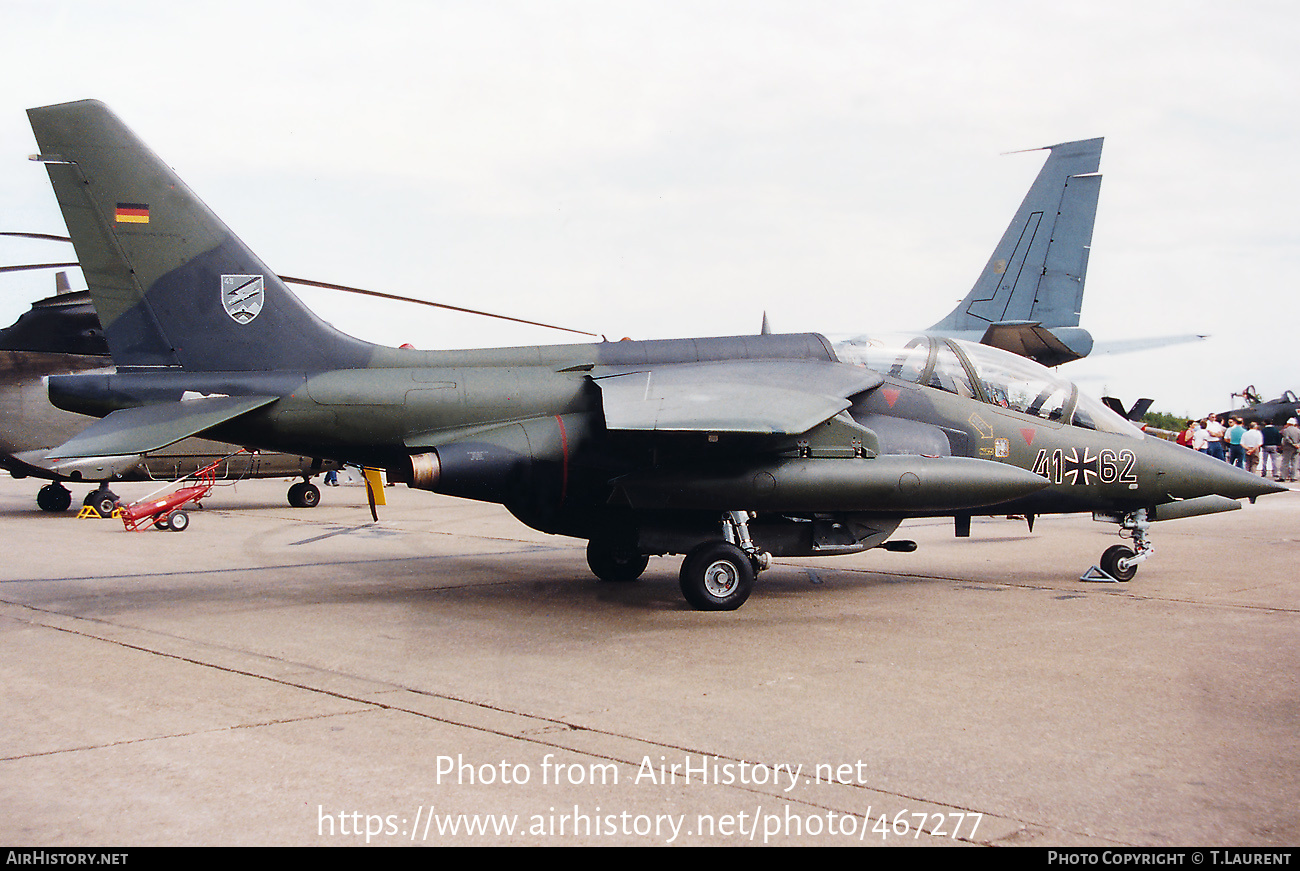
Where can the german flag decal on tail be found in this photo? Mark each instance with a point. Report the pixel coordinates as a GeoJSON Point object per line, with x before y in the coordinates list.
{"type": "Point", "coordinates": [132, 213]}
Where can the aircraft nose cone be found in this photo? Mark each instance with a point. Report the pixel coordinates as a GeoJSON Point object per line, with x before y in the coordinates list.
{"type": "Point", "coordinates": [1237, 483]}
{"type": "Point", "coordinates": [1272, 487]}
{"type": "Point", "coordinates": [1190, 474]}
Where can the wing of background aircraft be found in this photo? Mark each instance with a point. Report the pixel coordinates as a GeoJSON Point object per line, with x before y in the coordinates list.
{"type": "Point", "coordinates": [1147, 343]}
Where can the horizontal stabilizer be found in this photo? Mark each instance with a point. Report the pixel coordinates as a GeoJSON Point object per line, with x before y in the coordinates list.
{"type": "Point", "coordinates": [770, 397]}
{"type": "Point", "coordinates": [1039, 343]}
{"type": "Point", "coordinates": [150, 427]}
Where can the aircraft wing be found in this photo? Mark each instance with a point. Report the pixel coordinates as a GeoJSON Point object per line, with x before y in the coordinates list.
{"type": "Point", "coordinates": [1126, 346]}
{"type": "Point", "coordinates": [150, 427]}
{"type": "Point", "coordinates": [769, 397]}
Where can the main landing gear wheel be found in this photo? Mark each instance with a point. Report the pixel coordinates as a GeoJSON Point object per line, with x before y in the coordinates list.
{"type": "Point", "coordinates": [54, 497]}
{"type": "Point", "coordinates": [304, 494]}
{"type": "Point", "coordinates": [717, 576]}
{"type": "Point", "coordinates": [103, 500]}
{"type": "Point", "coordinates": [611, 564]}
{"type": "Point", "coordinates": [1110, 562]}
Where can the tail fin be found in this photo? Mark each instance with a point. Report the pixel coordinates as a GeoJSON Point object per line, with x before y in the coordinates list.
{"type": "Point", "coordinates": [1037, 271]}
{"type": "Point", "coordinates": [172, 284]}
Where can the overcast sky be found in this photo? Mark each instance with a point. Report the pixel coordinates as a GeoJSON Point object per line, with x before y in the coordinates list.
{"type": "Point", "coordinates": [657, 169]}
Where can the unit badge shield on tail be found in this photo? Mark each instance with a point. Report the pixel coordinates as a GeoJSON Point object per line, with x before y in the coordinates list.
{"type": "Point", "coordinates": [242, 296]}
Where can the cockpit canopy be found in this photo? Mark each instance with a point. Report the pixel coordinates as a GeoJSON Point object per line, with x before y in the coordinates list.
{"type": "Point", "coordinates": [985, 374]}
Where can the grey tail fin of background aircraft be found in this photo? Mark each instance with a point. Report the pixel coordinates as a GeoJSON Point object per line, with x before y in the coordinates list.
{"type": "Point", "coordinates": [1037, 271]}
{"type": "Point", "coordinates": [172, 284]}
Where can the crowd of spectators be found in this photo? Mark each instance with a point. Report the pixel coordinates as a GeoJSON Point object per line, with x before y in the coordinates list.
{"type": "Point", "coordinates": [1260, 448]}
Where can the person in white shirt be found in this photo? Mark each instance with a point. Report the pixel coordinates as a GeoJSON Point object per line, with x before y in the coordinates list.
{"type": "Point", "coordinates": [1216, 430]}
{"type": "Point", "coordinates": [1252, 443]}
{"type": "Point", "coordinates": [1201, 437]}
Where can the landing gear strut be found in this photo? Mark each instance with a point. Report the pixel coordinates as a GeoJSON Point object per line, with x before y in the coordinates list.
{"type": "Point", "coordinates": [1120, 562]}
{"type": "Point", "coordinates": [719, 575]}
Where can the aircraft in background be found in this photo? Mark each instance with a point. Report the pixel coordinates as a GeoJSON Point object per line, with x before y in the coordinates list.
{"type": "Point", "coordinates": [1028, 298]}
{"type": "Point", "coordinates": [728, 450]}
{"type": "Point", "coordinates": [1275, 411]}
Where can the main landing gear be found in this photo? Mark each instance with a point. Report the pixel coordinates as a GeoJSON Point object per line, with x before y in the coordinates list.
{"type": "Point", "coordinates": [304, 494]}
{"type": "Point", "coordinates": [102, 499]}
{"type": "Point", "coordinates": [716, 575]}
{"type": "Point", "coordinates": [611, 563]}
{"type": "Point", "coordinates": [53, 497]}
{"type": "Point", "coordinates": [56, 498]}
{"type": "Point", "coordinates": [719, 575]}
{"type": "Point", "coordinates": [1120, 562]}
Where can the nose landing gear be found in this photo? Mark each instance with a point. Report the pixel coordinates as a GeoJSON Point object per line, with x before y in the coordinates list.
{"type": "Point", "coordinates": [1119, 562]}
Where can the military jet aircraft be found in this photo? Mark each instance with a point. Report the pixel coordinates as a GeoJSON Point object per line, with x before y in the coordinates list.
{"type": "Point", "coordinates": [61, 335]}
{"type": "Point", "coordinates": [729, 450]}
{"type": "Point", "coordinates": [1026, 300]}
{"type": "Point", "coordinates": [1275, 411]}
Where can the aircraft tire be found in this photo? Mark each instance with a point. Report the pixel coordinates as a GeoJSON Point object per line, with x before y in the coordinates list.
{"type": "Point", "coordinates": [1110, 562]}
{"type": "Point", "coordinates": [611, 564]}
{"type": "Point", "coordinates": [717, 576]}
{"type": "Point", "coordinates": [178, 521]}
{"type": "Point", "coordinates": [304, 494]}
{"type": "Point", "coordinates": [104, 505]}
{"type": "Point", "coordinates": [53, 497]}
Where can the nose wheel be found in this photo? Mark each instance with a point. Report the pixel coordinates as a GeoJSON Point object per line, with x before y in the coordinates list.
{"type": "Point", "coordinates": [1120, 562]}
{"type": "Point", "coordinates": [1116, 562]}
